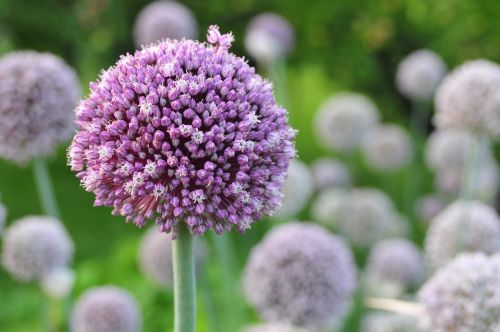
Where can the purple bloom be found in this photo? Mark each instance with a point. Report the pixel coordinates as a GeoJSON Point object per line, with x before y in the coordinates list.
{"type": "Point", "coordinates": [184, 131]}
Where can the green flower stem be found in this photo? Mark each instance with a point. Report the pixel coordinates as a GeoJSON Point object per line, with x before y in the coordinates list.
{"type": "Point", "coordinates": [184, 281]}
{"type": "Point", "coordinates": [54, 314]}
{"type": "Point", "coordinates": [44, 187]}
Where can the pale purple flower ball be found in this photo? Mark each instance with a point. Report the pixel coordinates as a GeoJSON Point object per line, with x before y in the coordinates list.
{"type": "Point", "coordinates": [184, 131]}
{"type": "Point", "coordinates": [328, 172]}
{"type": "Point", "coordinates": [464, 296]}
{"type": "Point", "coordinates": [325, 207]}
{"type": "Point", "coordinates": [429, 206]}
{"type": "Point", "coordinates": [300, 274]}
{"type": "Point", "coordinates": [269, 36]}
{"type": "Point", "coordinates": [464, 226]}
{"type": "Point", "coordinates": [164, 19]}
{"type": "Point", "coordinates": [106, 309]}
{"type": "Point", "coordinates": [297, 190]}
{"type": "Point", "coordinates": [35, 246]}
{"type": "Point", "coordinates": [469, 98]}
{"type": "Point", "coordinates": [419, 74]}
{"type": "Point", "coordinates": [389, 322]}
{"type": "Point", "coordinates": [38, 93]}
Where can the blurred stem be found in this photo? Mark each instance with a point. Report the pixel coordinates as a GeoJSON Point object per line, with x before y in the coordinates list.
{"type": "Point", "coordinates": [184, 281]}
{"type": "Point", "coordinates": [54, 315]}
{"type": "Point", "coordinates": [276, 71]}
{"type": "Point", "coordinates": [44, 187]}
{"type": "Point", "coordinates": [470, 169]}
{"type": "Point", "coordinates": [393, 305]}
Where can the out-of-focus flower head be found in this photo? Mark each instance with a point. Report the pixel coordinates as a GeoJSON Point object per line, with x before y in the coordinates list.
{"type": "Point", "coordinates": [274, 327]}
{"type": "Point", "coordinates": [3, 216]}
{"type": "Point", "coordinates": [38, 93]}
{"type": "Point", "coordinates": [464, 295]}
{"type": "Point", "coordinates": [155, 256]}
{"type": "Point", "coordinates": [325, 207]}
{"type": "Point", "coordinates": [419, 74]}
{"type": "Point", "coordinates": [106, 309]}
{"type": "Point", "coordinates": [328, 172]}
{"type": "Point", "coordinates": [387, 147]}
{"type": "Point", "coordinates": [269, 37]}
{"type": "Point", "coordinates": [366, 216]}
{"type": "Point", "coordinates": [164, 19]}
{"type": "Point", "coordinates": [469, 98]}
{"type": "Point", "coordinates": [464, 226]}
{"type": "Point", "coordinates": [297, 190]}
{"type": "Point", "coordinates": [429, 206]}
{"type": "Point", "coordinates": [390, 322]}
{"type": "Point", "coordinates": [58, 283]}
{"type": "Point", "coordinates": [396, 261]}
{"type": "Point", "coordinates": [344, 119]}
{"type": "Point", "coordinates": [34, 246]}
{"type": "Point", "coordinates": [184, 131]}
{"type": "Point", "coordinates": [300, 274]}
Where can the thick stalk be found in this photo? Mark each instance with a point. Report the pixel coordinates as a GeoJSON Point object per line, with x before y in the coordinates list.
{"type": "Point", "coordinates": [44, 188]}
{"type": "Point", "coordinates": [393, 305]}
{"type": "Point", "coordinates": [184, 281]}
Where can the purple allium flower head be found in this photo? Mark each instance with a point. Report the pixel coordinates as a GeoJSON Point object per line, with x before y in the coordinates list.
{"type": "Point", "coordinates": [429, 206]}
{"type": "Point", "coordinates": [38, 93]}
{"type": "Point", "coordinates": [464, 226]}
{"type": "Point", "coordinates": [274, 327]}
{"type": "Point", "coordinates": [469, 98]}
{"type": "Point", "coordinates": [184, 131]}
{"type": "Point", "coordinates": [164, 19]}
{"type": "Point", "coordinates": [155, 256]}
{"type": "Point", "coordinates": [325, 207]}
{"type": "Point", "coordinates": [419, 74]}
{"type": "Point", "coordinates": [268, 37]}
{"type": "Point", "coordinates": [328, 172]}
{"type": "Point", "coordinates": [297, 190]}
{"type": "Point", "coordinates": [344, 119]}
{"type": "Point", "coordinates": [34, 246]}
{"type": "Point", "coordinates": [387, 147]}
{"type": "Point", "coordinates": [398, 261]}
{"type": "Point", "coordinates": [300, 274]}
{"type": "Point", "coordinates": [464, 295]}
{"type": "Point", "coordinates": [390, 322]}
{"type": "Point", "coordinates": [106, 309]}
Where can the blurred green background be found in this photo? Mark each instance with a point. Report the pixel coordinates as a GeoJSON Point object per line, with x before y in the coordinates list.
{"type": "Point", "coordinates": [352, 45]}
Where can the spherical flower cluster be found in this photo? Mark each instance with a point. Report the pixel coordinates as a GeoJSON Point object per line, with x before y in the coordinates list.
{"type": "Point", "coordinates": [325, 207]}
{"type": "Point", "coordinates": [155, 256]}
{"type": "Point", "coordinates": [163, 19]}
{"type": "Point", "coordinates": [464, 295]}
{"type": "Point", "coordinates": [301, 274]}
{"type": "Point", "coordinates": [34, 246]}
{"type": "Point", "coordinates": [38, 92]}
{"type": "Point", "coordinates": [387, 147]}
{"type": "Point", "coordinates": [396, 261]}
{"type": "Point", "coordinates": [3, 217]}
{"type": "Point", "coordinates": [469, 98]}
{"type": "Point", "coordinates": [389, 322]}
{"type": "Point", "coordinates": [274, 327]}
{"type": "Point", "coordinates": [366, 216]}
{"type": "Point", "coordinates": [297, 190]}
{"type": "Point", "coordinates": [58, 283]}
{"type": "Point", "coordinates": [419, 74]}
{"type": "Point", "coordinates": [464, 226]}
{"type": "Point", "coordinates": [183, 131]}
{"type": "Point", "coordinates": [449, 150]}
{"type": "Point", "coordinates": [106, 309]}
{"type": "Point", "coordinates": [343, 120]}
{"type": "Point", "coordinates": [429, 206]}
{"type": "Point", "coordinates": [327, 172]}
{"type": "Point", "coordinates": [269, 37]}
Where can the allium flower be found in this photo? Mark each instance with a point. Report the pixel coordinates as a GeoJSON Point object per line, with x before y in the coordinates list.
{"type": "Point", "coordinates": [464, 295]}
{"type": "Point", "coordinates": [397, 261]}
{"type": "Point", "coordinates": [389, 322]}
{"type": "Point", "coordinates": [297, 190]}
{"type": "Point", "coordinates": [419, 74]}
{"type": "Point", "coordinates": [274, 327]}
{"type": "Point", "coordinates": [38, 93]}
{"type": "Point", "coordinates": [58, 283]}
{"type": "Point", "coordinates": [301, 274]}
{"type": "Point", "coordinates": [184, 132]}
{"type": "Point", "coordinates": [429, 206]}
{"type": "Point", "coordinates": [326, 205]}
{"type": "Point", "coordinates": [268, 37]}
{"type": "Point", "coordinates": [327, 172]}
{"type": "Point", "coordinates": [106, 309]}
{"type": "Point", "coordinates": [164, 19]}
{"type": "Point", "coordinates": [366, 216]}
{"type": "Point", "coordinates": [343, 120]}
{"type": "Point", "coordinates": [387, 147]}
{"type": "Point", "coordinates": [469, 98]}
{"type": "Point", "coordinates": [464, 226]}
{"type": "Point", "coordinates": [34, 246]}
{"type": "Point", "coordinates": [155, 256]}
